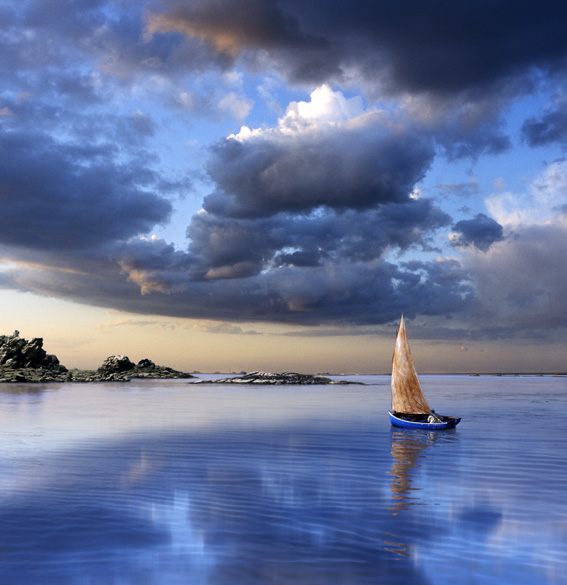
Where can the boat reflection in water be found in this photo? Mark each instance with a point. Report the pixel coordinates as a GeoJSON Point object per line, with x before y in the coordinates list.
{"type": "Point", "coordinates": [408, 448]}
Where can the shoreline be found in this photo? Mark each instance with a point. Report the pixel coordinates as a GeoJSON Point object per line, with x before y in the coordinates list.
{"type": "Point", "coordinates": [23, 361]}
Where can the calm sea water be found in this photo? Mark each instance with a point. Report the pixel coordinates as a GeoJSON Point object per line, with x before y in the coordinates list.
{"type": "Point", "coordinates": [166, 483]}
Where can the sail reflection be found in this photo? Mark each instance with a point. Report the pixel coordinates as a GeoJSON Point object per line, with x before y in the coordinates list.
{"type": "Point", "coordinates": [407, 449]}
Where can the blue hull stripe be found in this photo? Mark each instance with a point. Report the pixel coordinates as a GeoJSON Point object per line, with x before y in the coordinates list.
{"type": "Point", "coordinates": [407, 424]}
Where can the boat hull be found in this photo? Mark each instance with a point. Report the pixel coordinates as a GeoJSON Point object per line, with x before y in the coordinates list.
{"type": "Point", "coordinates": [448, 422]}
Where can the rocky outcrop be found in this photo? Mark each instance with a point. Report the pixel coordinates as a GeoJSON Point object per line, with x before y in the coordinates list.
{"type": "Point", "coordinates": [17, 352]}
{"type": "Point", "coordinates": [26, 361]}
{"type": "Point", "coordinates": [22, 360]}
{"type": "Point", "coordinates": [273, 379]}
{"type": "Point", "coordinates": [120, 368]}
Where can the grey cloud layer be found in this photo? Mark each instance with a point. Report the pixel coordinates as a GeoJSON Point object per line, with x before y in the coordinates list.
{"type": "Point", "coordinates": [463, 61]}
{"type": "Point", "coordinates": [343, 294]}
{"type": "Point", "coordinates": [227, 246]}
{"type": "Point", "coordinates": [56, 196]}
{"type": "Point", "coordinates": [298, 225]}
{"type": "Point", "coordinates": [445, 47]}
{"type": "Point", "coordinates": [527, 273]}
{"type": "Point", "coordinates": [344, 168]}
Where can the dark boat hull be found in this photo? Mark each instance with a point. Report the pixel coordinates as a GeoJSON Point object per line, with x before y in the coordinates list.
{"type": "Point", "coordinates": [448, 422]}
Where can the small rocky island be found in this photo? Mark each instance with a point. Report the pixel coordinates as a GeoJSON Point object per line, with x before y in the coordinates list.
{"type": "Point", "coordinates": [26, 361]}
{"type": "Point", "coordinates": [273, 379]}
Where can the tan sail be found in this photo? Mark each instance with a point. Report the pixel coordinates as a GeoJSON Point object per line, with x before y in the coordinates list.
{"type": "Point", "coordinates": [407, 396]}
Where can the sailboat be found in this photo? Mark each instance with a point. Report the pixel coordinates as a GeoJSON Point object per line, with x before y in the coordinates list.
{"type": "Point", "coordinates": [410, 408]}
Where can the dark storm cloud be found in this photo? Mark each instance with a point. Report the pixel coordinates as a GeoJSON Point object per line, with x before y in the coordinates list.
{"type": "Point", "coordinates": [301, 219]}
{"type": "Point", "coordinates": [463, 62]}
{"type": "Point", "coordinates": [480, 232]}
{"type": "Point", "coordinates": [71, 196]}
{"type": "Point", "coordinates": [527, 273]}
{"type": "Point", "coordinates": [445, 47]}
{"type": "Point", "coordinates": [308, 269]}
{"type": "Point", "coordinates": [295, 231]}
{"type": "Point", "coordinates": [233, 248]}
{"type": "Point", "coordinates": [356, 293]}
{"type": "Point", "coordinates": [439, 287]}
{"type": "Point", "coordinates": [550, 127]}
{"type": "Point", "coordinates": [75, 173]}
{"type": "Point", "coordinates": [254, 24]}
{"type": "Point", "coordinates": [340, 167]}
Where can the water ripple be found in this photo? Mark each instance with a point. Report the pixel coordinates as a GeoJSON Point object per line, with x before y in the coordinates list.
{"type": "Point", "coordinates": [247, 488]}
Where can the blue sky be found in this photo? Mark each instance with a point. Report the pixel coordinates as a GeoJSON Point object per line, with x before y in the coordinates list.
{"type": "Point", "coordinates": [287, 170]}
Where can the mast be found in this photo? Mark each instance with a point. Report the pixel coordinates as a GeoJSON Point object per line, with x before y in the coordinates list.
{"type": "Point", "coordinates": [407, 395]}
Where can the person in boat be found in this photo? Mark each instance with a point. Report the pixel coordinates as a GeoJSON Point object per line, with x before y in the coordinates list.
{"type": "Point", "coordinates": [433, 418]}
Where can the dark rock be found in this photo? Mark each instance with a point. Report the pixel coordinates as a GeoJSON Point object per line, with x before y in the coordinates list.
{"type": "Point", "coordinates": [115, 364]}
{"type": "Point", "coordinates": [27, 362]}
{"type": "Point", "coordinates": [145, 364]}
{"type": "Point", "coordinates": [145, 368]}
{"type": "Point", "coordinates": [119, 368]}
{"type": "Point", "coordinates": [115, 368]}
{"type": "Point", "coordinates": [22, 360]}
{"type": "Point", "coordinates": [273, 379]}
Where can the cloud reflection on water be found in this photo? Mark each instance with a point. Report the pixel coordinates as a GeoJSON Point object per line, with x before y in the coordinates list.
{"type": "Point", "coordinates": [275, 486]}
{"type": "Point", "coordinates": [219, 508]}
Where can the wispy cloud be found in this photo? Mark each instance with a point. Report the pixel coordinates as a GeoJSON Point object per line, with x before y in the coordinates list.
{"type": "Point", "coordinates": [119, 323]}
{"type": "Point", "coordinates": [201, 326]}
